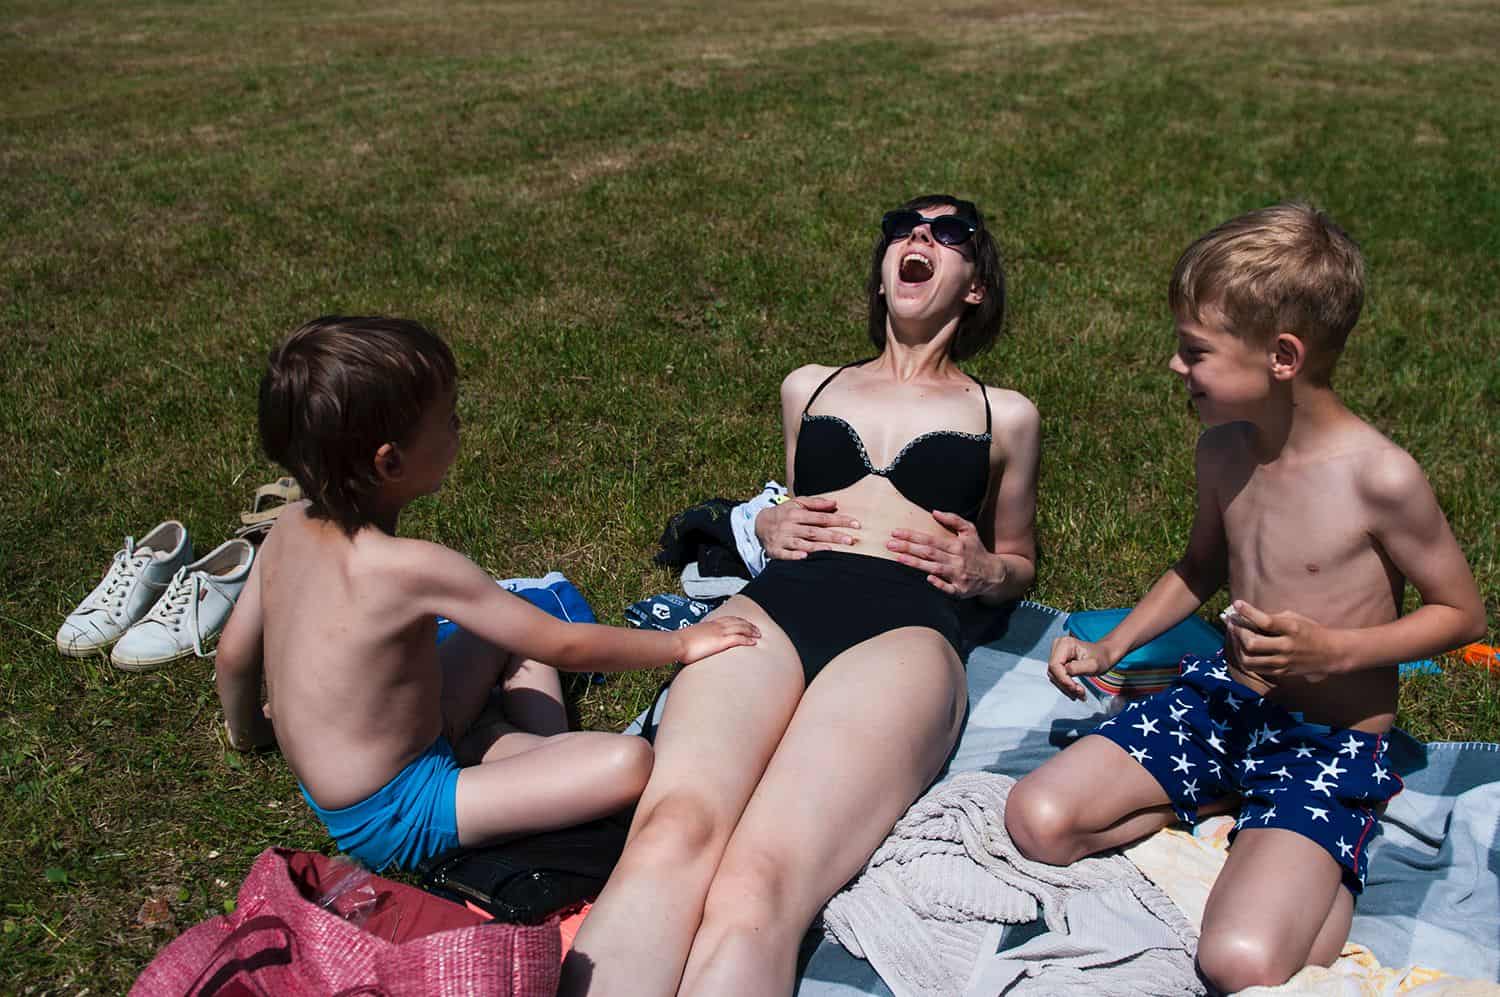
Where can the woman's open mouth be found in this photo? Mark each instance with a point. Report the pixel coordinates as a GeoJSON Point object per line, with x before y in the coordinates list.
{"type": "Point", "coordinates": [915, 269]}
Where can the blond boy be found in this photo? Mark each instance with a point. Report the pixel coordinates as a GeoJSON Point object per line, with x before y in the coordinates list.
{"type": "Point", "coordinates": [1316, 522]}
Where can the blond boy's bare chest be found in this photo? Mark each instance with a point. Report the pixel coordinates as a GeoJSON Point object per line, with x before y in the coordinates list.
{"type": "Point", "coordinates": [1300, 538]}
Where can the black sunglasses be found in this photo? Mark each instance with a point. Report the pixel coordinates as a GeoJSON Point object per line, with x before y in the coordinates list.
{"type": "Point", "coordinates": [950, 230]}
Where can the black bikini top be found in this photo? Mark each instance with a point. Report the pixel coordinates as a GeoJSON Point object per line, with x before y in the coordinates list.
{"type": "Point", "coordinates": [944, 469]}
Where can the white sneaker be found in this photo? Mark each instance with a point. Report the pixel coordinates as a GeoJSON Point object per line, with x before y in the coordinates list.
{"type": "Point", "coordinates": [135, 580]}
{"type": "Point", "coordinates": [191, 613]}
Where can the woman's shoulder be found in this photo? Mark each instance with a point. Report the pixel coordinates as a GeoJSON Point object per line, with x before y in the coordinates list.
{"type": "Point", "coordinates": [802, 382]}
{"type": "Point", "coordinates": [811, 374]}
{"type": "Point", "coordinates": [1009, 407]}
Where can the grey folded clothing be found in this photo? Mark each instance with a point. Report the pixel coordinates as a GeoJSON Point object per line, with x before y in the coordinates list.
{"type": "Point", "coordinates": [929, 908]}
{"type": "Point", "coordinates": [711, 587]}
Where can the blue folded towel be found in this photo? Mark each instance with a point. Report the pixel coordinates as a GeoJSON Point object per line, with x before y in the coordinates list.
{"type": "Point", "coordinates": [552, 593]}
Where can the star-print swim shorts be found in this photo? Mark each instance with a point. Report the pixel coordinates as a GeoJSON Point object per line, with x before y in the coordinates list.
{"type": "Point", "coordinates": [1207, 736]}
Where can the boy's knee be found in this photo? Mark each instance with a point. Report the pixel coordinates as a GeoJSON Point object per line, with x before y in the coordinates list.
{"type": "Point", "coordinates": [629, 761]}
{"type": "Point", "coordinates": [1039, 823]}
{"type": "Point", "coordinates": [1232, 962]}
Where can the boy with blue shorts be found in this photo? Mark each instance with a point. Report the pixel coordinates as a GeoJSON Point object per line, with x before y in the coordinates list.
{"type": "Point", "coordinates": [404, 747]}
{"type": "Point", "coordinates": [1316, 522]}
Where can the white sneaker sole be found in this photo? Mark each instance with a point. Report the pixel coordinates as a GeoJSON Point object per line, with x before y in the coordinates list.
{"type": "Point", "coordinates": [73, 649]}
{"type": "Point", "coordinates": [149, 664]}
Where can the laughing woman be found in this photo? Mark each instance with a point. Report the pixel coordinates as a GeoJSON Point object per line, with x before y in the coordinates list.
{"type": "Point", "coordinates": [780, 767]}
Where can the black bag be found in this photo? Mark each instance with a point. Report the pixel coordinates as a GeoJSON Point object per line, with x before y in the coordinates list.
{"type": "Point", "coordinates": [528, 880]}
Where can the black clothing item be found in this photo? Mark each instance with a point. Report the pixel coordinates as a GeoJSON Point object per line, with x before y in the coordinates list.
{"type": "Point", "coordinates": [945, 469]}
{"type": "Point", "coordinates": [832, 600]}
{"type": "Point", "coordinates": [702, 533]}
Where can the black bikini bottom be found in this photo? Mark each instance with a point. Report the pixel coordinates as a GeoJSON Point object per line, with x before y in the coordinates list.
{"type": "Point", "coordinates": [832, 600]}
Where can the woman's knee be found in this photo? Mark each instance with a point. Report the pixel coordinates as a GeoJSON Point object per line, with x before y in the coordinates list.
{"type": "Point", "coordinates": [678, 830]}
{"type": "Point", "coordinates": [1230, 962]}
{"type": "Point", "coordinates": [751, 892]}
{"type": "Point", "coordinates": [1040, 823]}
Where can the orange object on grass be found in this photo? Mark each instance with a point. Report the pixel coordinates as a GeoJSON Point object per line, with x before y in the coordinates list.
{"type": "Point", "coordinates": [1481, 654]}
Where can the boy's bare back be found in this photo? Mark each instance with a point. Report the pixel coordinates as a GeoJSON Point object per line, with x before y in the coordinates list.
{"type": "Point", "coordinates": [351, 666]}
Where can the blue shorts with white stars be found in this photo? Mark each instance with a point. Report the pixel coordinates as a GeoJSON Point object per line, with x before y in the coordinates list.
{"type": "Point", "coordinates": [1208, 736]}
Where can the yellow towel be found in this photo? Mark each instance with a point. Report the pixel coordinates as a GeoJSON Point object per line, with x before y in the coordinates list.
{"type": "Point", "coordinates": [1185, 865]}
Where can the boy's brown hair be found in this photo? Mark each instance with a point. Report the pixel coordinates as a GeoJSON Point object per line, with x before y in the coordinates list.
{"type": "Point", "coordinates": [1286, 268]}
{"type": "Point", "coordinates": [337, 390]}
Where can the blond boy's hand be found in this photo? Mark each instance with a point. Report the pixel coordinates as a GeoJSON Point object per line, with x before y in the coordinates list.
{"type": "Point", "coordinates": [712, 636]}
{"type": "Point", "coordinates": [1273, 645]}
{"type": "Point", "coordinates": [1071, 656]}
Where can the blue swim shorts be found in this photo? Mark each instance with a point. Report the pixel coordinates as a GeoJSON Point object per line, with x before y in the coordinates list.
{"type": "Point", "coordinates": [410, 818]}
{"type": "Point", "coordinates": [1207, 736]}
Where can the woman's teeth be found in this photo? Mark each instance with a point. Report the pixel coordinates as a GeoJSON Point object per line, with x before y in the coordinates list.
{"type": "Point", "coordinates": [915, 268]}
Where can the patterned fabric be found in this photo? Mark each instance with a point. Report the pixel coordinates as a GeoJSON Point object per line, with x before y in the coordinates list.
{"type": "Point", "coordinates": [305, 926]}
{"type": "Point", "coordinates": [1208, 736]}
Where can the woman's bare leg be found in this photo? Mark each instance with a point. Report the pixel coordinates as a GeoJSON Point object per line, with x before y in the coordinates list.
{"type": "Point", "coordinates": [723, 719]}
{"type": "Point", "coordinates": [870, 734]}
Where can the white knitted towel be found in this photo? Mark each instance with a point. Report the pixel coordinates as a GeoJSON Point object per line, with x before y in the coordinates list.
{"type": "Point", "coordinates": [925, 910]}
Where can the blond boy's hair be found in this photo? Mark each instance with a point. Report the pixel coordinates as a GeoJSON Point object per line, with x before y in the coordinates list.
{"type": "Point", "coordinates": [1286, 268]}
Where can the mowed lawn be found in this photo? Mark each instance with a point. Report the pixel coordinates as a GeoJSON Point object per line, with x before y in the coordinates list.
{"type": "Point", "coordinates": [631, 220]}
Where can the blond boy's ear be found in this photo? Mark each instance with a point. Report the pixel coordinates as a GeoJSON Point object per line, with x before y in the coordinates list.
{"type": "Point", "coordinates": [1288, 356]}
{"type": "Point", "coordinates": [388, 462]}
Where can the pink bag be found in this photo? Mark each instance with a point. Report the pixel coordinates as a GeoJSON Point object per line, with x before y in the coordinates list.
{"type": "Point", "coordinates": [368, 936]}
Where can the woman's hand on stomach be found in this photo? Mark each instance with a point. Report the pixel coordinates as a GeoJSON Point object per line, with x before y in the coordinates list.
{"type": "Point", "coordinates": [794, 528]}
{"type": "Point", "coordinates": [951, 552]}
{"type": "Point", "coordinates": [894, 528]}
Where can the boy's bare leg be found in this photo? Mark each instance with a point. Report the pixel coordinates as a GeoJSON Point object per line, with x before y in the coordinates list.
{"type": "Point", "coordinates": [868, 736]}
{"type": "Point", "coordinates": [471, 668]}
{"type": "Point", "coordinates": [532, 697]}
{"type": "Point", "coordinates": [555, 782]}
{"type": "Point", "coordinates": [1278, 905]}
{"type": "Point", "coordinates": [723, 720]}
{"type": "Point", "coordinates": [480, 711]}
{"type": "Point", "coordinates": [1091, 797]}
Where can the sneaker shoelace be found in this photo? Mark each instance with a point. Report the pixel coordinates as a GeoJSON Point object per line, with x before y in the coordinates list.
{"type": "Point", "coordinates": [182, 597]}
{"type": "Point", "coordinates": [128, 564]}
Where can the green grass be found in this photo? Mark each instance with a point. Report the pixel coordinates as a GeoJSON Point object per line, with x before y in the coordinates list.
{"type": "Point", "coordinates": [631, 220]}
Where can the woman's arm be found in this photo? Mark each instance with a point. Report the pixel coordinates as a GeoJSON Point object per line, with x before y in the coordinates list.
{"type": "Point", "coordinates": [999, 564]}
{"type": "Point", "coordinates": [1018, 431]}
{"type": "Point", "coordinates": [793, 528]}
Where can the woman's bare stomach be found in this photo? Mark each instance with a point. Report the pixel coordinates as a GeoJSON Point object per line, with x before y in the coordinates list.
{"type": "Point", "coordinates": [880, 509]}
